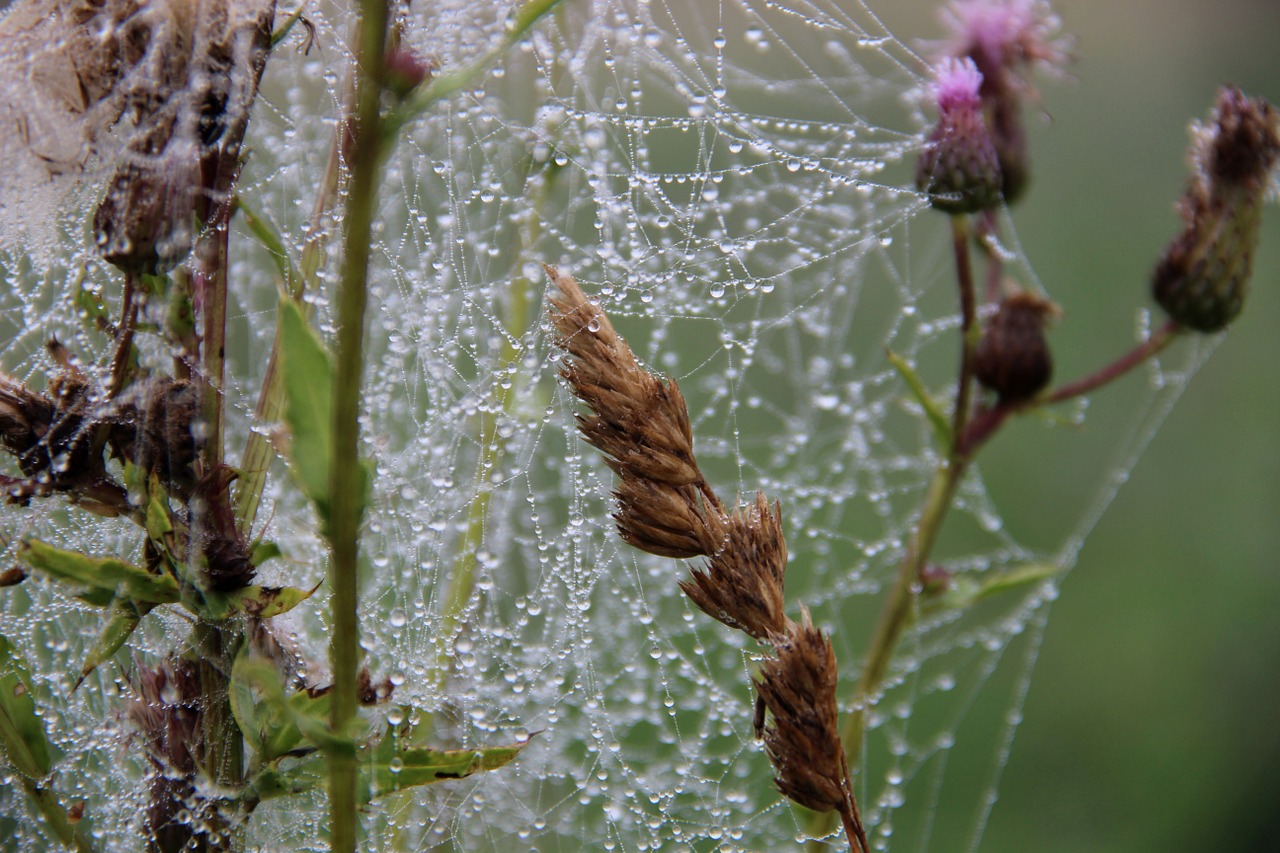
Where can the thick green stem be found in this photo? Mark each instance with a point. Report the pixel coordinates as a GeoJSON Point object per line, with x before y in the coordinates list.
{"type": "Point", "coordinates": [220, 739]}
{"type": "Point", "coordinates": [345, 489]}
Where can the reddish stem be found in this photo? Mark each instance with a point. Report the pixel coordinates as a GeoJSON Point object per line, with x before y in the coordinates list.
{"type": "Point", "coordinates": [986, 421]}
{"type": "Point", "coordinates": [968, 319]}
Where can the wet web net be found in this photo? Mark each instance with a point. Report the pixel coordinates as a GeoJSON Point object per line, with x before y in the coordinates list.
{"type": "Point", "coordinates": [734, 182]}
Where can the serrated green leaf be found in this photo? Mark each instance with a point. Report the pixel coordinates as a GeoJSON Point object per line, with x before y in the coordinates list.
{"type": "Point", "coordinates": [22, 737]}
{"type": "Point", "coordinates": [101, 580]}
{"type": "Point", "coordinates": [307, 372]}
{"type": "Point", "coordinates": [125, 617]}
{"type": "Point", "coordinates": [937, 417]}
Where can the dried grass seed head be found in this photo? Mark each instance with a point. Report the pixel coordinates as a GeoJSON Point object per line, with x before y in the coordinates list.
{"type": "Point", "coordinates": [801, 734]}
{"type": "Point", "coordinates": [661, 519]}
{"type": "Point", "coordinates": [742, 582]}
{"type": "Point", "coordinates": [637, 419]}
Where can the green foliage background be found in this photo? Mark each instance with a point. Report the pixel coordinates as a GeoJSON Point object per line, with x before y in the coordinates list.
{"type": "Point", "coordinates": [1151, 721]}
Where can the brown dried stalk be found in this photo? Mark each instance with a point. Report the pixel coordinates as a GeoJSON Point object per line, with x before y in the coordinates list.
{"type": "Point", "coordinates": [665, 507]}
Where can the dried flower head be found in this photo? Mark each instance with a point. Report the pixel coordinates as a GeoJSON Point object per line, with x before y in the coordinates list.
{"type": "Point", "coordinates": [166, 712]}
{"type": "Point", "coordinates": [741, 584]}
{"type": "Point", "coordinates": [1013, 357]}
{"type": "Point", "coordinates": [959, 167]}
{"type": "Point", "coordinates": [1203, 276]}
{"type": "Point", "coordinates": [801, 733]}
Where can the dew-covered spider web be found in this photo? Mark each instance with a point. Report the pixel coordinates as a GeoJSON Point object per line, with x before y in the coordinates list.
{"type": "Point", "coordinates": [734, 181]}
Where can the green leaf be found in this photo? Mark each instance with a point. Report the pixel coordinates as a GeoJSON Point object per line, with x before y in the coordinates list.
{"type": "Point", "coordinates": [965, 592]}
{"type": "Point", "coordinates": [90, 305]}
{"type": "Point", "coordinates": [267, 601]}
{"type": "Point", "coordinates": [307, 373]}
{"type": "Point", "coordinates": [937, 417]}
{"type": "Point", "coordinates": [260, 552]}
{"type": "Point", "coordinates": [22, 737]}
{"type": "Point", "coordinates": [273, 781]}
{"type": "Point", "coordinates": [125, 617]}
{"type": "Point", "coordinates": [308, 407]}
{"type": "Point", "coordinates": [101, 580]}
{"type": "Point", "coordinates": [393, 766]}
{"type": "Point", "coordinates": [284, 722]}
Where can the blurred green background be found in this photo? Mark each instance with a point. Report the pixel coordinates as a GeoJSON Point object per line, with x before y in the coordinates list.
{"type": "Point", "coordinates": [1153, 720]}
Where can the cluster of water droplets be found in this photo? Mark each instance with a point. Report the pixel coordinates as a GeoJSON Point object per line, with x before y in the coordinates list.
{"type": "Point", "coordinates": [732, 183]}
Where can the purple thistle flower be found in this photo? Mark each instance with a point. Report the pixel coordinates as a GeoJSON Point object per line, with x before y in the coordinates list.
{"type": "Point", "coordinates": [1006, 40]}
{"type": "Point", "coordinates": [959, 167]}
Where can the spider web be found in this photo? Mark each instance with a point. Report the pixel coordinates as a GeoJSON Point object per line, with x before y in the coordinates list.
{"type": "Point", "coordinates": [729, 179]}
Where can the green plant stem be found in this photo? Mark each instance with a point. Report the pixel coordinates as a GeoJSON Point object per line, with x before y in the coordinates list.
{"type": "Point", "coordinates": [345, 474]}
{"type": "Point", "coordinates": [56, 816]}
{"type": "Point", "coordinates": [221, 745]}
{"type": "Point", "coordinates": [462, 578]}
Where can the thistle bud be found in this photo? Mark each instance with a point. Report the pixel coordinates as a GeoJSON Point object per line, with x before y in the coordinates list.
{"type": "Point", "coordinates": [406, 71]}
{"type": "Point", "coordinates": [1013, 357]}
{"type": "Point", "coordinates": [959, 167]}
{"type": "Point", "coordinates": [1202, 278]}
{"type": "Point", "coordinates": [1006, 40]}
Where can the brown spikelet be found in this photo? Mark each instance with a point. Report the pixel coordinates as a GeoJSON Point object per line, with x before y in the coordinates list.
{"type": "Point", "coordinates": [798, 688]}
{"type": "Point", "coordinates": [660, 519]}
{"type": "Point", "coordinates": [638, 420]}
{"type": "Point", "coordinates": [741, 584]}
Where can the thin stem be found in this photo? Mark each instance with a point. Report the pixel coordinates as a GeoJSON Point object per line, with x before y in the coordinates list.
{"type": "Point", "coordinates": [124, 337]}
{"type": "Point", "coordinates": [968, 323]}
{"type": "Point", "coordinates": [987, 421]}
{"type": "Point", "coordinates": [211, 301]}
{"type": "Point", "coordinates": [987, 236]}
{"type": "Point", "coordinates": [345, 490]}
{"type": "Point", "coordinates": [1163, 336]}
{"type": "Point", "coordinates": [56, 816]}
{"type": "Point", "coordinates": [221, 742]}
{"type": "Point", "coordinates": [854, 831]}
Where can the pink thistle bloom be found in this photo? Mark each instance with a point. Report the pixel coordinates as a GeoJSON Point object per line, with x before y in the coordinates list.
{"type": "Point", "coordinates": [959, 167]}
{"type": "Point", "coordinates": [1005, 37]}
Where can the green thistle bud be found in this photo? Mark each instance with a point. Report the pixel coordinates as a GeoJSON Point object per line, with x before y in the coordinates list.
{"type": "Point", "coordinates": [1202, 278]}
